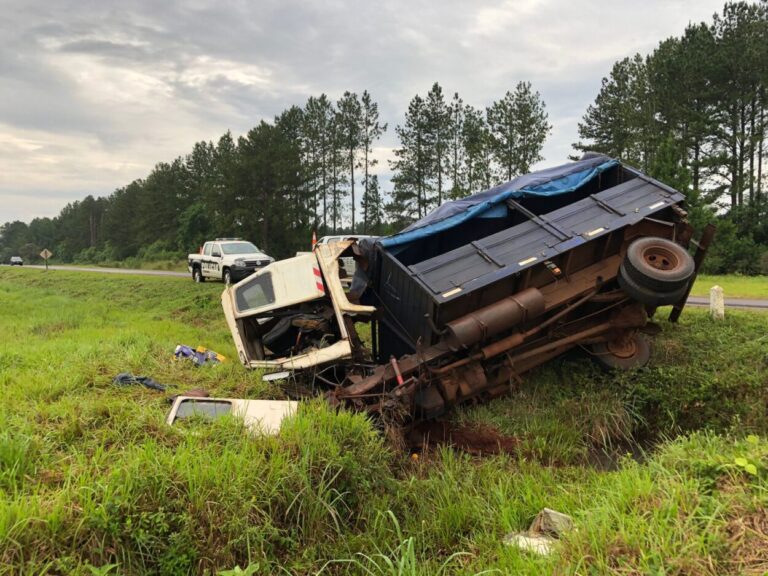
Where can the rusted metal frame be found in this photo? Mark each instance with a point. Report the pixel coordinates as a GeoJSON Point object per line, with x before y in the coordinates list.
{"type": "Point", "coordinates": [407, 364]}
{"type": "Point", "coordinates": [572, 339]}
{"type": "Point", "coordinates": [512, 341]}
{"type": "Point", "coordinates": [582, 282]}
{"type": "Point", "coordinates": [701, 251]}
{"type": "Point", "coordinates": [509, 342]}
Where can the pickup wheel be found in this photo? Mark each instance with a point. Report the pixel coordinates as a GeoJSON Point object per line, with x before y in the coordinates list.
{"type": "Point", "coordinates": [227, 277]}
{"type": "Point", "coordinates": [197, 274]}
{"type": "Point", "coordinates": [627, 352]}
{"type": "Point", "coordinates": [658, 264]}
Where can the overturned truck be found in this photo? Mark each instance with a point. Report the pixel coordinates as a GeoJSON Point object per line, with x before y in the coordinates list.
{"type": "Point", "coordinates": [465, 300]}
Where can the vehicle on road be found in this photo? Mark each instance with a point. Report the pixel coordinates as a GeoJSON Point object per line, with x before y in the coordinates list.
{"type": "Point", "coordinates": [464, 301]}
{"type": "Point", "coordinates": [16, 261]}
{"type": "Point", "coordinates": [227, 259]}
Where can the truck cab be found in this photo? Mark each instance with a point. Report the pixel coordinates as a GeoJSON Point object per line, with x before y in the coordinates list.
{"type": "Point", "coordinates": [294, 314]}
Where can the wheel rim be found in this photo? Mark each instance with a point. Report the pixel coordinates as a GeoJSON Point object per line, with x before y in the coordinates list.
{"type": "Point", "coordinates": [623, 347]}
{"type": "Point", "coordinates": [660, 258]}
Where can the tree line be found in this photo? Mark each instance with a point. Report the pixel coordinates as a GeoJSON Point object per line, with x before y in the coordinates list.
{"type": "Point", "coordinates": [312, 168]}
{"type": "Point", "coordinates": [693, 114]}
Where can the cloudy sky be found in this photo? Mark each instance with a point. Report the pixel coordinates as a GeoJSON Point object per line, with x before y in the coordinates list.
{"type": "Point", "coordinates": [93, 93]}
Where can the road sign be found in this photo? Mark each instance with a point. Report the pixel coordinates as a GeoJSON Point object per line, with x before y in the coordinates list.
{"type": "Point", "coordinates": [45, 254]}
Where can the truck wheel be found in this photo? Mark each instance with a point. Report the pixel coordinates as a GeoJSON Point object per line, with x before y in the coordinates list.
{"type": "Point", "coordinates": [626, 353]}
{"type": "Point", "coordinates": [648, 296]}
{"type": "Point", "coordinates": [227, 277]}
{"type": "Point", "coordinates": [658, 264]}
{"type": "Point", "coordinates": [197, 274]}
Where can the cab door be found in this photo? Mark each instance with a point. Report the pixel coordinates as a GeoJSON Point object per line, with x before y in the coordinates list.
{"type": "Point", "coordinates": [205, 265]}
{"type": "Point", "coordinates": [215, 259]}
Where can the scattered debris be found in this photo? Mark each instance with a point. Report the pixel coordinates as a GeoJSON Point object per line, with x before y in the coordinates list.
{"type": "Point", "coordinates": [546, 529]}
{"type": "Point", "coordinates": [539, 544]}
{"type": "Point", "coordinates": [264, 416]}
{"type": "Point", "coordinates": [128, 379]}
{"type": "Point", "coordinates": [552, 523]}
{"type": "Point", "coordinates": [199, 355]}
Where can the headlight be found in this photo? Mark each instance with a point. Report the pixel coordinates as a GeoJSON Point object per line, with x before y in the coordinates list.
{"type": "Point", "coordinates": [239, 262]}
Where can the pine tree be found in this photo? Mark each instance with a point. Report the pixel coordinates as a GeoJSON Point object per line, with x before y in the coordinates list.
{"type": "Point", "coordinates": [350, 134]}
{"type": "Point", "coordinates": [373, 206]}
{"type": "Point", "coordinates": [531, 125]}
{"type": "Point", "coordinates": [438, 118]}
{"type": "Point", "coordinates": [456, 149]}
{"type": "Point", "coordinates": [478, 154]}
{"type": "Point", "coordinates": [318, 120]}
{"type": "Point", "coordinates": [371, 130]}
{"type": "Point", "coordinates": [413, 164]}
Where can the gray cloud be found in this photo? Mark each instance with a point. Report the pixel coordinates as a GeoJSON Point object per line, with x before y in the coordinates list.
{"type": "Point", "coordinates": [93, 94]}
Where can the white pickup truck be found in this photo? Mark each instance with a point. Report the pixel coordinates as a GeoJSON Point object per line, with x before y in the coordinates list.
{"type": "Point", "coordinates": [227, 259]}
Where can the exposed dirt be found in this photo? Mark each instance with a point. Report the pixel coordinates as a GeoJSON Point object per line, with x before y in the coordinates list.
{"type": "Point", "coordinates": [478, 440]}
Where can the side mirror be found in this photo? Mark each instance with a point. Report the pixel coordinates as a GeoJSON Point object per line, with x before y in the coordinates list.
{"type": "Point", "coordinates": [216, 254]}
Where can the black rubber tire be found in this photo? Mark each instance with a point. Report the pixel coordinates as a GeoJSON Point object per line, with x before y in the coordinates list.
{"type": "Point", "coordinates": [197, 275]}
{"type": "Point", "coordinates": [226, 277]}
{"type": "Point", "coordinates": [647, 296]}
{"type": "Point", "coordinates": [658, 264]}
{"type": "Point", "coordinates": [602, 354]}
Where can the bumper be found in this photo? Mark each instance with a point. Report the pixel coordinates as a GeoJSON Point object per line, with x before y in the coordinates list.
{"type": "Point", "coordinates": [240, 272]}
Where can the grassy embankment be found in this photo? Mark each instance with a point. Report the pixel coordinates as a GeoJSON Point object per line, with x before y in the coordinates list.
{"type": "Point", "coordinates": [91, 477]}
{"type": "Point", "coordinates": [733, 286]}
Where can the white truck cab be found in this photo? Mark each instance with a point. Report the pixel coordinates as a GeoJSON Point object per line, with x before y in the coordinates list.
{"type": "Point", "coordinates": [227, 259]}
{"type": "Point", "coordinates": [294, 313]}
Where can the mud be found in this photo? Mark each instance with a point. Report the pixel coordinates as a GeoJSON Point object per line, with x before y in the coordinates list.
{"type": "Point", "coordinates": [477, 440]}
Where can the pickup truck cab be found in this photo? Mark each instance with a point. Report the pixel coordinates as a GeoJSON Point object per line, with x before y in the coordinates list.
{"type": "Point", "coordinates": [227, 259]}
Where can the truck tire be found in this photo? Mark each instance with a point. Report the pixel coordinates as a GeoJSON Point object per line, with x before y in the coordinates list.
{"type": "Point", "coordinates": [647, 296]}
{"type": "Point", "coordinates": [628, 353]}
{"type": "Point", "coordinates": [197, 274]}
{"type": "Point", "coordinates": [658, 264]}
{"type": "Point", "coordinates": [227, 277]}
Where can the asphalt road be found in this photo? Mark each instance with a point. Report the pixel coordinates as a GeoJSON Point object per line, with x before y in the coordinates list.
{"type": "Point", "coordinates": [692, 300]}
{"type": "Point", "coordinates": [729, 302]}
{"type": "Point", "coordinates": [110, 270]}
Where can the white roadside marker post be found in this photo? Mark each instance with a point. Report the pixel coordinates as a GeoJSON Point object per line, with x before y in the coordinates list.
{"type": "Point", "coordinates": [716, 303]}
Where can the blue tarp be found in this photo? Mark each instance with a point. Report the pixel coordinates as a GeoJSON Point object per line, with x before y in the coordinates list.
{"type": "Point", "coordinates": [490, 203]}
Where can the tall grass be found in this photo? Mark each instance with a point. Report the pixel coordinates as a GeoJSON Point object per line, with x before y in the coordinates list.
{"type": "Point", "coordinates": [92, 481]}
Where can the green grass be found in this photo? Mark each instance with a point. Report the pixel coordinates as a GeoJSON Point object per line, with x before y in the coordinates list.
{"type": "Point", "coordinates": [733, 286]}
{"type": "Point", "coordinates": [132, 263]}
{"type": "Point", "coordinates": [93, 482]}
